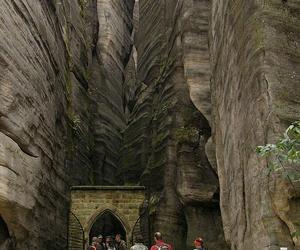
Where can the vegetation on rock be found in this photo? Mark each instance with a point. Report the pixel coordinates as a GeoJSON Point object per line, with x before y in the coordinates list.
{"type": "Point", "coordinates": [285, 157]}
{"type": "Point", "coordinates": [286, 151]}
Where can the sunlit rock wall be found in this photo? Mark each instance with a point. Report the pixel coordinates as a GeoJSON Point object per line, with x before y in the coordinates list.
{"type": "Point", "coordinates": [255, 83]}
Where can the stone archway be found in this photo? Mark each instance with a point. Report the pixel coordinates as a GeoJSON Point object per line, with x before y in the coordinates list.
{"type": "Point", "coordinates": [89, 203]}
{"type": "Point", "coordinates": [108, 224]}
{"type": "Point", "coordinates": [112, 210]}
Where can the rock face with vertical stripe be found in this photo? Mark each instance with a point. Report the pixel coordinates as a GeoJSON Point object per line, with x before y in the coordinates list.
{"type": "Point", "coordinates": [218, 79]}
{"type": "Point", "coordinates": [255, 88]}
{"type": "Point", "coordinates": [164, 142]}
{"type": "Point", "coordinates": [110, 57]}
{"type": "Point", "coordinates": [51, 99]}
{"type": "Point", "coordinates": [36, 51]}
{"type": "Point", "coordinates": [174, 95]}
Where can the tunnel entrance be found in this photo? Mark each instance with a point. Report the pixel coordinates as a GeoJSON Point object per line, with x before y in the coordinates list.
{"type": "Point", "coordinates": [107, 224]}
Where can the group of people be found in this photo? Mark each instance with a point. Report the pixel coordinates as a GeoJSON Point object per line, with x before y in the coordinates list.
{"type": "Point", "coordinates": [110, 243]}
{"type": "Point", "coordinates": [161, 245]}
{"type": "Point", "coordinates": [119, 244]}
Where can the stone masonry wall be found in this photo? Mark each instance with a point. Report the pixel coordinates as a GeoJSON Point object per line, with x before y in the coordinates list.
{"type": "Point", "coordinates": [87, 203]}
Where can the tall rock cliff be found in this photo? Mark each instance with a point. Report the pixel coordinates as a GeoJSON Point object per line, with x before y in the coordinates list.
{"type": "Point", "coordinates": [256, 92]}
{"type": "Point", "coordinates": [35, 55]}
{"type": "Point", "coordinates": [243, 81]}
{"type": "Point", "coordinates": [173, 95]}
{"type": "Point", "coordinates": [110, 57]}
{"type": "Point", "coordinates": [51, 98]}
{"type": "Point", "coordinates": [164, 142]}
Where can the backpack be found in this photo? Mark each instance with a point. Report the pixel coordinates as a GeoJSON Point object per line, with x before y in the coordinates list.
{"type": "Point", "coordinates": [162, 247]}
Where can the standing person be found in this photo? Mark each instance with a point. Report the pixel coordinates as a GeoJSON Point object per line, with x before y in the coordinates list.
{"type": "Point", "coordinates": [109, 243]}
{"type": "Point", "coordinates": [159, 243]}
{"type": "Point", "coordinates": [138, 244]}
{"type": "Point", "coordinates": [120, 244]}
{"type": "Point", "coordinates": [94, 244]}
{"type": "Point", "coordinates": [199, 245]}
{"type": "Point", "coordinates": [101, 244]}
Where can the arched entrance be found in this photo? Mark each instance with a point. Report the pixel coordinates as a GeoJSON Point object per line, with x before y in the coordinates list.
{"type": "Point", "coordinates": [107, 224]}
{"type": "Point", "coordinates": [105, 210]}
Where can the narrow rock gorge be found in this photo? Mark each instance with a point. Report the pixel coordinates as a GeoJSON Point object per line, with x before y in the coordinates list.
{"type": "Point", "coordinates": [173, 95]}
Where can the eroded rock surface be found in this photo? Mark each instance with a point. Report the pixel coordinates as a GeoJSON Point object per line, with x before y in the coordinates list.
{"type": "Point", "coordinates": [164, 143]}
{"type": "Point", "coordinates": [48, 51]}
{"type": "Point", "coordinates": [112, 52]}
{"type": "Point", "coordinates": [255, 85]}
{"type": "Point", "coordinates": [33, 123]}
{"type": "Point", "coordinates": [173, 95]}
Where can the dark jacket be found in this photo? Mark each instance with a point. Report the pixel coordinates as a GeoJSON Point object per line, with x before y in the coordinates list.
{"type": "Point", "coordinates": [101, 246]}
{"type": "Point", "coordinates": [121, 245]}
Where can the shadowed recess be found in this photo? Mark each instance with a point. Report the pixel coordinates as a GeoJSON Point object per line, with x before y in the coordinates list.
{"type": "Point", "coordinates": [107, 224]}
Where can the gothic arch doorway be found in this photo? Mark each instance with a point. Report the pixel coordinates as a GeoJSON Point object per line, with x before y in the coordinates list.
{"type": "Point", "coordinates": [104, 210]}
{"type": "Point", "coordinates": [107, 224]}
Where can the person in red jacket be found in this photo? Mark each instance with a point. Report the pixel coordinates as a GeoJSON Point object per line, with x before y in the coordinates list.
{"type": "Point", "coordinates": [199, 244]}
{"type": "Point", "coordinates": [159, 243]}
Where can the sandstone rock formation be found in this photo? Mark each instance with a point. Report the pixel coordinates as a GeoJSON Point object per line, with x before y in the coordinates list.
{"type": "Point", "coordinates": [50, 56]}
{"type": "Point", "coordinates": [164, 143]}
{"type": "Point", "coordinates": [111, 55]}
{"type": "Point", "coordinates": [255, 89]}
{"type": "Point", "coordinates": [173, 95]}
{"type": "Point", "coordinates": [253, 96]}
{"type": "Point", "coordinates": [33, 123]}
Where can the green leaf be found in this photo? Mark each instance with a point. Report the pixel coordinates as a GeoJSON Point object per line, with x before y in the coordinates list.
{"type": "Point", "coordinates": [273, 166]}
{"type": "Point", "coordinates": [285, 150]}
{"type": "Point", "coordinates": [294, 176]}
{"type": "Point", "coordinates": [296, 234]}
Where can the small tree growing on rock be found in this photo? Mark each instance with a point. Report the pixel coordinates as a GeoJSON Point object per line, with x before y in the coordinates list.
{"type": "Point", "coordinates": [284, 156]}
{"type": "Point", "coordinates": [286, 151]}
